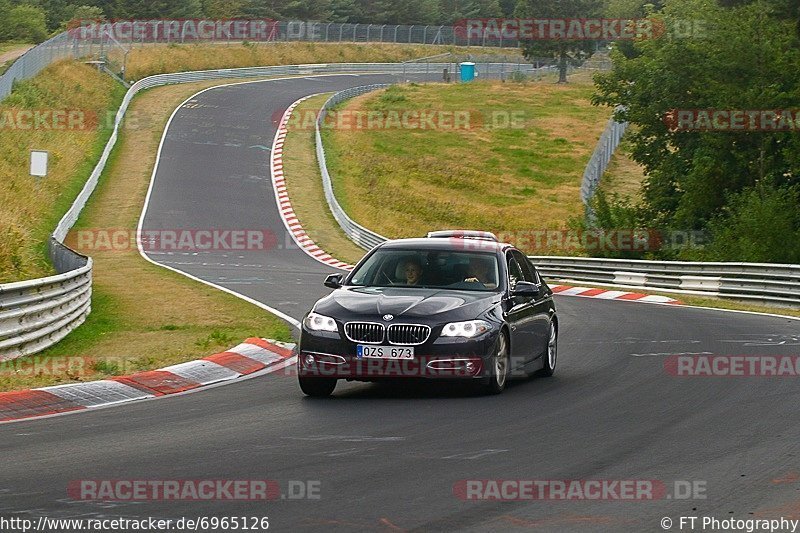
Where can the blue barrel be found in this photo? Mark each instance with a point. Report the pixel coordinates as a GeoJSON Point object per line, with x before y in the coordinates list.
{"type": "Point", "coordinates": [467, 71]}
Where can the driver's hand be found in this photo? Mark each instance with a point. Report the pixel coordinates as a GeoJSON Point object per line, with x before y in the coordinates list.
{"type": "Point", "coordinates": [472, 280]}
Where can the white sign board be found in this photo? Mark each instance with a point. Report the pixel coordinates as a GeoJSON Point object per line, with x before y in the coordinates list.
{"type": "Point", "coordinates": [39, 163]}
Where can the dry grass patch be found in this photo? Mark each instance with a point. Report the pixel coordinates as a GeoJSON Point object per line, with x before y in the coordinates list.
{"type": "Point", "coordinates": [624, 176]}
{"type": "Point", "coordinates": [9, 52]}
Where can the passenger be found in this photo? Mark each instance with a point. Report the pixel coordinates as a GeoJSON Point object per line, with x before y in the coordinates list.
{"type": "Point", "coordinates": [413, 271]}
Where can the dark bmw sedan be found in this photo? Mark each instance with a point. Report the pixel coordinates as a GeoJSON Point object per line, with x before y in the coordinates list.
{"type": "Point", "coordinates": [454, 305]}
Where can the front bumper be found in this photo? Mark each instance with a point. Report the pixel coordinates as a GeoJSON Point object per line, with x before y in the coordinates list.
{"type": "Point", "coordinates": [330, 356]}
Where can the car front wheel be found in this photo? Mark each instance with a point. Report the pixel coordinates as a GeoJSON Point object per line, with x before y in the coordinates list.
{"type": "Point", "coordinates": [551, 355]}
{"type": "Point", "coordinates": [317, 387]}
{"type": "Point", "coordinates": [498, 367]}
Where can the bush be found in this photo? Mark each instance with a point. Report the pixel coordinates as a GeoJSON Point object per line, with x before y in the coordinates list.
{"type": "Point", "coordinates": [613, 216]}
{"type": "Point", "coordinates": [760, 225]}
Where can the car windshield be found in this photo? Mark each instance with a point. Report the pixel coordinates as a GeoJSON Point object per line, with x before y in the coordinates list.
{"type": "Point", "coordinates": [433, 269]}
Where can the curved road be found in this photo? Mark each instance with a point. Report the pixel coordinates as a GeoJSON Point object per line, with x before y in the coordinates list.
{"type": "Point", "coordinates": [388, 457]}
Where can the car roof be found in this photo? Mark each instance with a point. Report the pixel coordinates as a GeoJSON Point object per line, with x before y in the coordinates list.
{"type": "Point", "coordinates": [452, 244]}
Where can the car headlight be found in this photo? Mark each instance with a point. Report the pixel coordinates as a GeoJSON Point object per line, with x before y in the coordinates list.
{"type": "Point", "coordinates": [317, 322]}
{"type": "Point", "coordinates": [470, 328]}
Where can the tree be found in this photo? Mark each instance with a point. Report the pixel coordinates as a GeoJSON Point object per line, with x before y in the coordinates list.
{"type": "Point", "coordinates": [455, 10]}
{"type": "Point", "coordinates": [508, 7]}
{"type": "Point", "coordinates": [24, 23]}
{"type": "Point", "coordinates": [307, 10]}
{"type": "Point", "coordinates": [760, 224]}
{"type": "Point", "coordinates": [372, 11]}
{"type": "Point", "coordinates": [412, 12]}
{"type": "Point", "coordinates": [788, 9]}
{"type": "Point", "coordinates": [224, 9]}
{"type": "Point", "coordinates": [82, 13]}
{"type": "Point", "coordinates": [565, 51]}
{"type": "Point", "coordinates": [159, 9]}
{"type": "Point", "coordinates": [344, 11]}
{"type": "Point", "coordinates": [747, 60]}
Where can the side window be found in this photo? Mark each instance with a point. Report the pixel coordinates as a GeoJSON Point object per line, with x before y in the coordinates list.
{"type": "Point", "coordinates": [528, 272]}
{"type": "Point", "coordinates": [514, 272]}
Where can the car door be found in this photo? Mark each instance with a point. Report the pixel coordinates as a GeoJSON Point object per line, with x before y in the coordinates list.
{"type": "Point", "coordinates": [520, 316]}
{"type": "Point", "coordinates": [541, 305]}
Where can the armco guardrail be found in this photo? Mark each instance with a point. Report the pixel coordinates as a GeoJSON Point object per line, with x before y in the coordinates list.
{"type": "Point", "coordinates": [358, 234]}
{"type": "Point", "coordinates": [745, 281]}
{"type": "Point", "coordinates": [36, 314]}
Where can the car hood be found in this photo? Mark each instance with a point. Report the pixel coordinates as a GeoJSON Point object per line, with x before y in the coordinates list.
{"type": "Point", "coordinates": [363, 302]}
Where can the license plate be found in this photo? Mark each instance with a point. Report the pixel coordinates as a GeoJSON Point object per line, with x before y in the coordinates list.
{"type": "Point", "coordinates": [384, 352]}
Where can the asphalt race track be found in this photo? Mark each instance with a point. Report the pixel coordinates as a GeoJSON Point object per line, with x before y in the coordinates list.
{"type": "Point", "coordinates": [388, 457]}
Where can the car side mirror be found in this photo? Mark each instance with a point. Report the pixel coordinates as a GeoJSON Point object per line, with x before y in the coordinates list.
{"type": "Point", "coordinates": [526, 288]}
{"type": "Point", "coordinates": [334, 281]}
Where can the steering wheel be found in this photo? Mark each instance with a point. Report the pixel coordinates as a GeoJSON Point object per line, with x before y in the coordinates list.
{"type": "Point", "coordinates": [385, 275]}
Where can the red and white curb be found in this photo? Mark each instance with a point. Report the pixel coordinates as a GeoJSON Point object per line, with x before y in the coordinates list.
{"type": "Point", "coordinates": [253, 355]}
{"type": "Point", "coordinates": [604, 294]}
{"type": "Point", "coordinates": [288, 215]}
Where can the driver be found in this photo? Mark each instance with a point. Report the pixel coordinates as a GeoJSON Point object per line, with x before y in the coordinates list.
{"type": "Point", "coordinates": [478, 272]}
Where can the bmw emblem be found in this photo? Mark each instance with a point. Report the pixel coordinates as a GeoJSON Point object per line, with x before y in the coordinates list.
{"type": "Point", "coordinates": [388, 317]}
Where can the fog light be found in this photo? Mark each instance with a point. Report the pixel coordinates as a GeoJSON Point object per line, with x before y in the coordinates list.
{"type": "Point", "coordinates": [309, 360]}
{"type": "Point", "coordinates": [471, 367]}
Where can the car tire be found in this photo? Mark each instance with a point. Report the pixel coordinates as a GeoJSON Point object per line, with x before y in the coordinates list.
{"type": "Point", "coordinates": [499, 367]}
{"type": "Point", "coordinates": [317, 387]}
{"type": "Point", "coordinates": [551, 353]}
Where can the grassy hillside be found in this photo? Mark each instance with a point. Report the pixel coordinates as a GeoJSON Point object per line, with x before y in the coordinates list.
{"type": "Point", "coordinates": [403, 182]}
{"type": "Point", "coordinates": [72, 102]}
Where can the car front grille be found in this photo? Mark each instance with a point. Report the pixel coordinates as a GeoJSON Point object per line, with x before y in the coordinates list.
{"type": "Point", "coordinates": [366, 332]}
{"type": "Point", "coordinates": [408, 334]}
